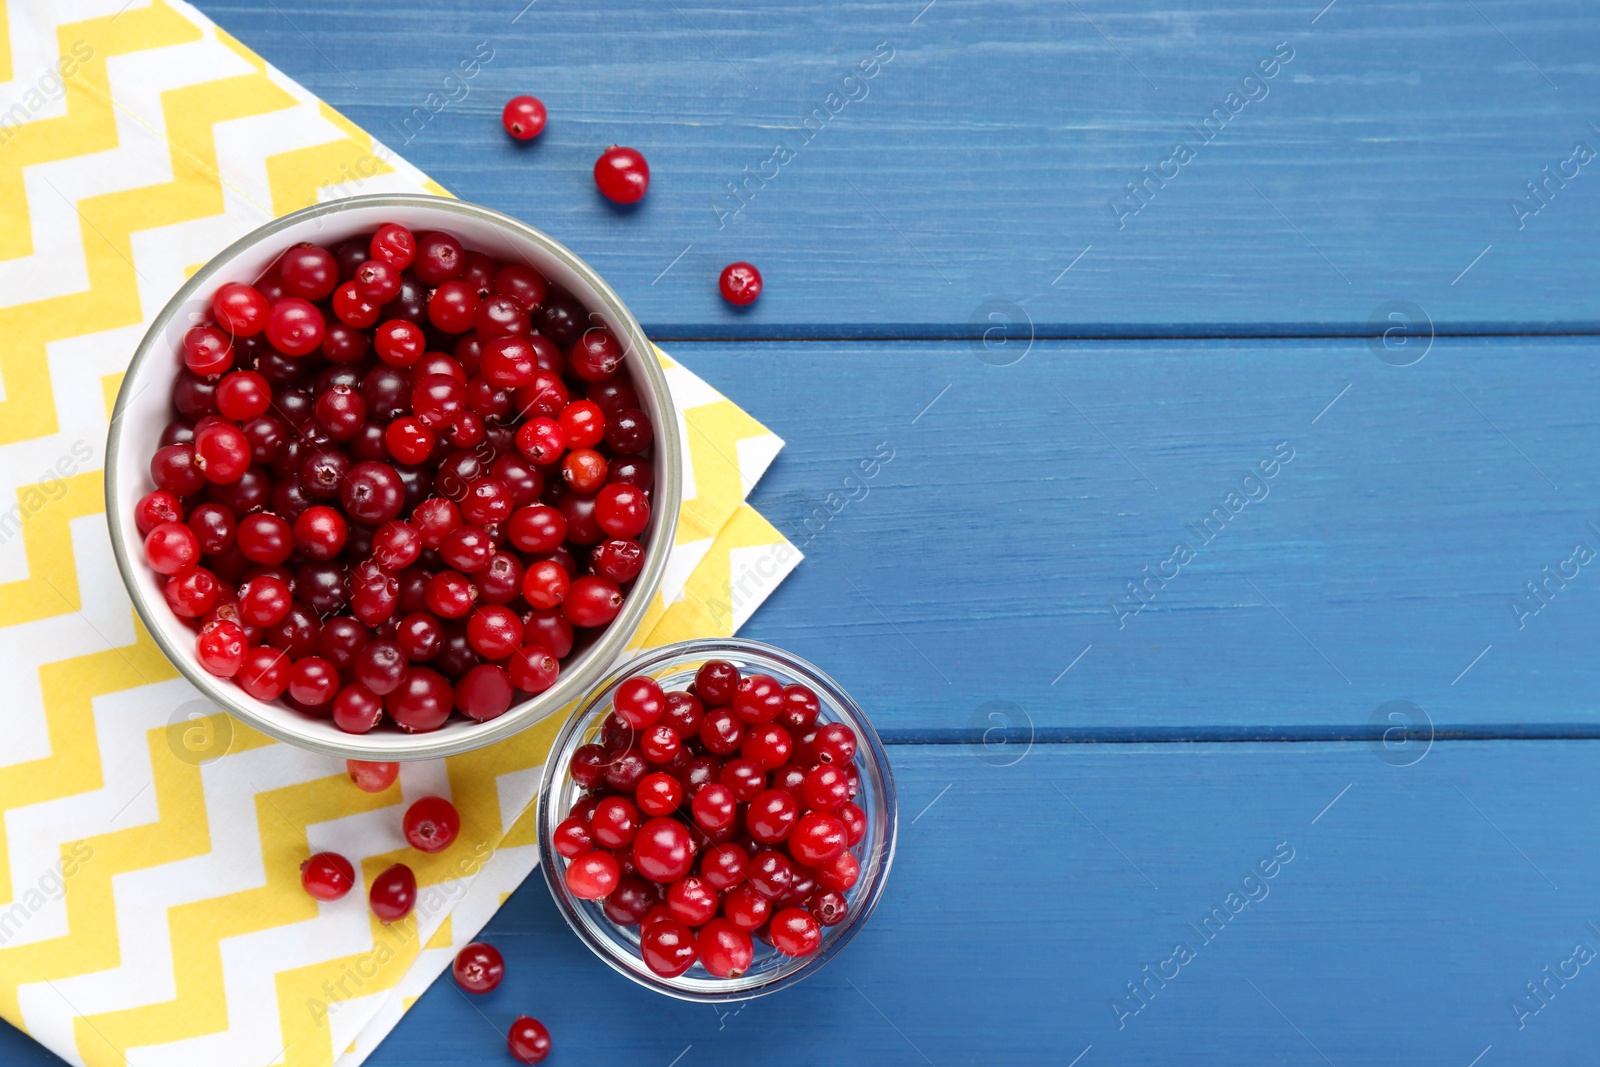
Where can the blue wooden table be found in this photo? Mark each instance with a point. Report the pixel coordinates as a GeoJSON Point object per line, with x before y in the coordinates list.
{"type": "Point", "coordinates": [1239, 376]}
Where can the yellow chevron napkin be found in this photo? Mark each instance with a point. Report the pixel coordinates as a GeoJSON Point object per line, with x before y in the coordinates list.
{"type": "Point", "coordinates": [150, 908]}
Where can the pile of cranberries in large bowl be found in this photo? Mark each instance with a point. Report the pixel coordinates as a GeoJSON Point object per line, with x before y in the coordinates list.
{"type": "Point", "coordinates": [402, 479]}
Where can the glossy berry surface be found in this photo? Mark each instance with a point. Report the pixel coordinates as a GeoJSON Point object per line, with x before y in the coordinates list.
{"type": "Point", "coordinates": [740, 284]}
{"type": "Point", "coordinates": [523, 117]}
{"type": "Point", "coordinates": [393, 893]}
{"type": "Point", "coordinates": [431, 824]}
{"type": "Point", "coordinates": [528, 1040]}
{"type": "Point", "coordinates": [622, 175]}
{"type": "Point", "coordinates": [327, 876]}
{"type": "Point", "coordinates": [478, 967]}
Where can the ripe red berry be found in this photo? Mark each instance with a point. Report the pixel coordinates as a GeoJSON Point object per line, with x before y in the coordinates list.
{"type": "Point", "coordinates": [724, 949]}
{"type": "Point", "coordinates": [240, 309]}
{"type": "Point", "coordinates": [393, 894]}
{"type": "Point", "coordinates": [523, 117]}
{"type": "Point", "coordinates": [372, 778]}
{"type": "Point", "coordinates": [221, 647]}
{"type": "Point", "coordinates": [639, 701]}
{"type": "Point", "coordinates": [592, 602]}
{"type": "Point", "coordinates": [572, 837]}
{"type": "Point", "coordinates": [668, 947]}
{"type": "Point", "coordinates": [327, 876]}
{"type": "Point", "coordinates": [795, 932]}
{"type": "Point", "coordinates": [662, 850]}
{"type": "Point", "coordinates": [207, 351]}
{"type": "Point", "coordinates": [740, 283]}
{"type": "Point", "coordinates": [622, 175]}
{"type": "Point", "coordinates": [479, 967]}
{"type": "Point", "coordinates": [431, 824]}
{"type": "Point", "coordinates": [528, 1040]}
{"type": "Point", "coordinates": [715, 682]}
{"type": "Point", "coordinates": [295, 327]}
{"type": "Point", "coordinates": [171, 547]}
{"type": "Point", "coordinates": [659, 793]}
{"type": "Point", "coordinates": [394, 244]}
{"type": "Point", "coordinates": [593, 875]}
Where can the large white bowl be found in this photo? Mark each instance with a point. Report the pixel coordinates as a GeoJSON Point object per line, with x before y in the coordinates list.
{"type": "Point", "coordinates": [143, 409]}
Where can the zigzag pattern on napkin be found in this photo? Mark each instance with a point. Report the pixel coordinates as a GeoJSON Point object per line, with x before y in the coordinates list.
{"type": "Point", "coordinates": [148, 898]}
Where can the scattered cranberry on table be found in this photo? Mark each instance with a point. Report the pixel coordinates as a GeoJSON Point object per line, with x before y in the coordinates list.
{"type": "Point", "coordinates": [622, 174]}
{"type": "Point", "coordinates": [402, 480]}
{"type": "Point", "coordinates": [327, 876]}
{"type": "Point", "coordinates": [714, 817]}
{"type": "Point", "coordinates": [528, 1040]}
{"type": "Point", "coordinates": [432, 823]}
{"type": "Point", "coordinates": [372, 777]}
{"type": "Point", "coordinates": [740, 283]}
{"type": "Point", "coordinates": [523, 117]}
{"type": "Point", "coordinates": [479, 967]}
{"type": "Point", "coordinates": [393, 893]}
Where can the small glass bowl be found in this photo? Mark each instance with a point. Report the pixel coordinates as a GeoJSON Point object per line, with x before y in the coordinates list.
{"type": "Point", "coordinates": [674, 667]}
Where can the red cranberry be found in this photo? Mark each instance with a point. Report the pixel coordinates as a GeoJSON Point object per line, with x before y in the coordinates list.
{"type": "Point", "coordinates": [532, 669]}
{"type": "Point", "coordinates": [522, 283]}
{"type": "Point", "coordinates": [421, 702]}
{"type": "Point", "coordinates": [393, 894]}
{"type": "Point", "coordinates": [327, 876]}
{"type": "Point", "coordinates": [171, 547]}
{"type": "Point", "coordinates": [523, 117]}
{"type": "Point", "coordinates": [746, 908]}
{"type": "Point", "coordinates": [795, 933]}
{"type": "Point", "coordinates": [372, 777]}
{"type": "Point", "coordinates": [308, 272]}
{"type": "Point", "coordinates": [240, 309]}
{"type": "Point", "coordinates": [593, 875]}
{"type": "Point", "coordinates": [740, 283]}
{"type": "Point", "coordinates": [485, 692]}
{"type": "Point", "coordinates": [357, 709]}
{"type": "Point", "coordinates": [840, 873]}
{"type": "Point", "coordinates": [431, 824]}
{"type": "Point", "coordinates": [622, 175]}
{"type": "Point", "coordinates": [668, 947]}
{"type": "Point", "coordinates": [592, 602]}
{"type": "Point", "coordinates": [221, 648]}
{"type": "Point", "coordinates": [295, 327]}
{"type": "Point", "coordinates": [758, 699]}
{"type": "Point", "coordinates": [221, 452]}
{"type": "Point", "coordinates": [715, 682]}
{"type": "Point", "coordinates": [572, 837]}
{"type": "Point", "coordinates": [313, 681]}
{"type": "Point", "coordinates": [479, 967]}
{"type": "Point", "coordinates": [440, 258]}
{"type": "Point", "coordinates": [191, 593]}
{"type": "Point", "coordinates": [394, 244]}
{"type": "Point", "coordinates": [528, 1040]}
{"type": "Point", "coordinates": [597, 356]}
{"type": "Point", "coordinates": [629, 433]}
{"type": "Point", "coordinates": [662, 850]}
{"type": "Point", "coordinates": [724, 949]}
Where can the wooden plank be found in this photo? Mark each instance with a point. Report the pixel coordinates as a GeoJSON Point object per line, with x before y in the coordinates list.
{"type": "Point", "coordinates": [1381, 563]}
{"type": "Point", "coordinates": [1027, 890]}
{"type": "Point", "coordinates": [983, 158]}
{"type": "Point", "coordinates": [1024, 899]}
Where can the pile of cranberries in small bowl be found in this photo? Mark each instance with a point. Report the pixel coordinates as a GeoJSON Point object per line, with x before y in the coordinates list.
{"type": "Point", "coordinates": [715, 816]}
{"type": "Point", "coordinates": [401, 479]}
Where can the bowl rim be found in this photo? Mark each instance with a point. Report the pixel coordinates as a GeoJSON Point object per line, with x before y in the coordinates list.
{"type": "Point", "coordinates": [599, 659]}
{"type": "Point", "coordinates": [871, 750]}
